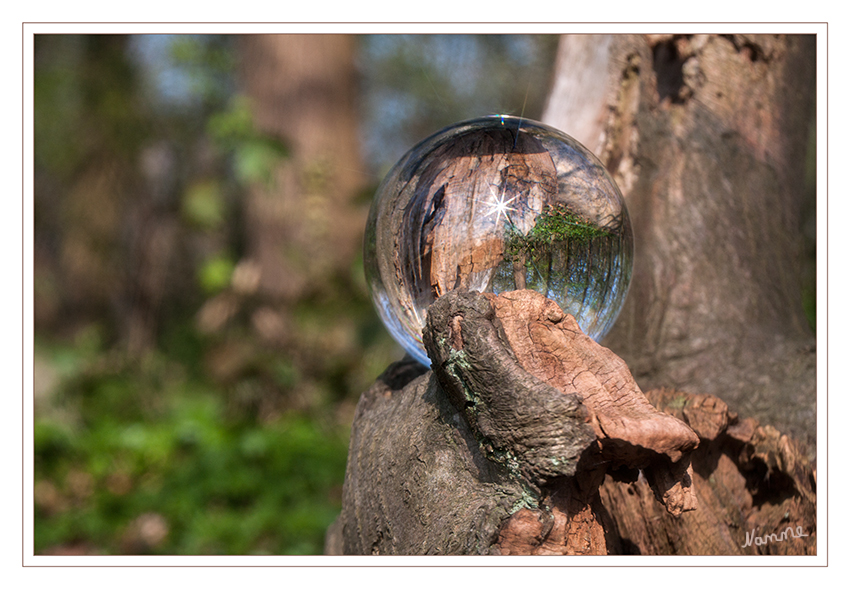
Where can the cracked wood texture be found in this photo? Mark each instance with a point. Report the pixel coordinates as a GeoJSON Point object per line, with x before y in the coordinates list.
{"type": "Point", "coordinates": [709, 138]}
{"type": "Point", "coordinates": [749, 480]}
{"type": "Point", "coordinates": [529, 438]}
{"type": "Point", "coordinates": [482, 456]}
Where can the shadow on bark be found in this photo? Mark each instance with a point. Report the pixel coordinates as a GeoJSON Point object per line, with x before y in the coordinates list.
{"type": "Point", "coordinates": [527, 437]}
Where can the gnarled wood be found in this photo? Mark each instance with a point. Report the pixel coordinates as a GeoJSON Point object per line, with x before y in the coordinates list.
{"type": "Point", "coordinates": [707, 136]}
{"type": "Point", "coordinates": [529, 438]}
{"type": "Point", "coordinates": [550, 345]}
{"type": "Point", "coordinates": [750, 481]}
{"type": "Point", "coordinates": [416, 482]}
{"type": "Point", "coordinates": [482, 456]}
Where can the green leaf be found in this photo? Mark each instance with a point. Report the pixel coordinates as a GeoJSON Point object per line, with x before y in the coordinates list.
{"type": "Point", "coordinates": [215, 274]}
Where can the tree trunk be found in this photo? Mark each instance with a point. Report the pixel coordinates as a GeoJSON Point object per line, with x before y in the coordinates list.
{"type": "Point", "coordinates": [501, 449]}
{"type": "Point", "coordinates": [528, 438]}
{"type": "Point", "coordinates": [105, 240]}
{"type": "Point", "coordinates": [303, 226]}
{"type": "Point", "coordinates": [706, 136]}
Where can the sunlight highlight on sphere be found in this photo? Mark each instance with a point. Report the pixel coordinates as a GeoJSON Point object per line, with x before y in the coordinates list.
{"type": "Point", "coordinates": [497, 204]}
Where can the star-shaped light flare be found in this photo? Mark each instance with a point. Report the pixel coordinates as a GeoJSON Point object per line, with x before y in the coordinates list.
{"type": "Point", "coordinates": [499, 206]}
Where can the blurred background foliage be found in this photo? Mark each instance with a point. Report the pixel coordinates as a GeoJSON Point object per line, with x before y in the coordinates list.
{"type": "Point", "coordinates": [202, 325]}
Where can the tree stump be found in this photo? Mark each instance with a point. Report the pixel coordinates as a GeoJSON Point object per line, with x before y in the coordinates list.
{"type": "Point", "coordinates": [750, 482]}
{"type": "Point", "coordinates": [527, 437]}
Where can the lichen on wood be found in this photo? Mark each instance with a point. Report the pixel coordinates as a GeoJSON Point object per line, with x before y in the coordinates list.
{"type": "Point", "coordinates": [483, 455]}
{"type": "Point", "coordinates": [527, 437]}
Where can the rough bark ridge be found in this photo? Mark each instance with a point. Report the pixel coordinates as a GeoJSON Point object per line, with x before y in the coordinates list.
{"type": "Point", "coordinates": [502, 449]}
{"type": "Point", "coordinates": [416, 482]}
{"type": "Point", "coordinates": [750, 481]}
{"type": "Point", "coordinates": [706, 135]}
{"type": "Point", "coordinates": [482, 456]}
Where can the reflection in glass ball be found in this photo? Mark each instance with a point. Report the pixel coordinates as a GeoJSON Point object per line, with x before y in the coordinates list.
{"type": "Point", "coordinates": [497, 204]}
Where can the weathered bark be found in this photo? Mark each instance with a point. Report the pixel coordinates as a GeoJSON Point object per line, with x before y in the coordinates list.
{"type": "Point", "coordinates": [706, 136]}
{"type": "Point", "coordinates": [482, 455]}
{"type": "Point", "coordinates": [749, 480]}
{"type": "Point", "coordinates": [416, 482]}
{"type": "Point", "coordinates": [502, 449]}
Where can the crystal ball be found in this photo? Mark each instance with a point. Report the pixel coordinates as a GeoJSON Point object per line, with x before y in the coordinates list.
{"type": "Point", "coordinates": [497, 204]}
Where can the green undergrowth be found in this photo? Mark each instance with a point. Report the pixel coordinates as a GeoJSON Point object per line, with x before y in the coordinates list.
{"type": "Point", "coordinates": [142, 456]}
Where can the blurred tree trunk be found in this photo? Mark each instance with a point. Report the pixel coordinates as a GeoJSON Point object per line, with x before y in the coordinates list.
{"type": "Point", "coordinates": [302, 226]}
{"type": "Point", "coordinates": [105, 238]}
{"type": "Point", "coordinates": [707, 138]}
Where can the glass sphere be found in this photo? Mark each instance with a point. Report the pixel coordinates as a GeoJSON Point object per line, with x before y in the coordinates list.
{"type": "Point", "coordinates": [497, 204]}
